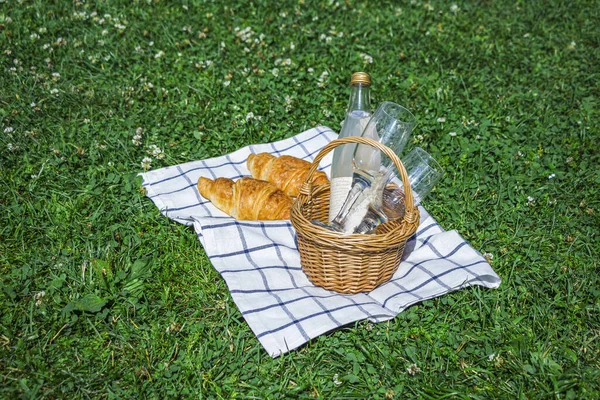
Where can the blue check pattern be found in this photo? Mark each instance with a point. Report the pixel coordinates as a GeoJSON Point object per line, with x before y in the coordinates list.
{"type": "Point", "coordinates": [260, 262]}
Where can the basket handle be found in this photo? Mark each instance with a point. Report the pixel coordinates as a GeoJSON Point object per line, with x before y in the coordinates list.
{"type": "Point", "coordinates": [411, 213]}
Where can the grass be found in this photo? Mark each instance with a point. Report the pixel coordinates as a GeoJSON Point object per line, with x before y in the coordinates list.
{"type": "Point", "coordinates": [103, 297]}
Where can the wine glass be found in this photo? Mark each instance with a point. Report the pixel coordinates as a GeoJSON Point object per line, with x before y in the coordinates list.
{"type": "Point", "coordinates": [391, 125]}
{"type": "Point", "coordinates": [423, 171]}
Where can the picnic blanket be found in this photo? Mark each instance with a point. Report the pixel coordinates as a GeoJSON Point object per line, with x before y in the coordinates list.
{"type": "Point", "coordinates": [260, 262]}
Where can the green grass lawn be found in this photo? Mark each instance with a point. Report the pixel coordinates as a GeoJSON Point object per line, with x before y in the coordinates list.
{"type": "Point", "coordinates": [506, 94]}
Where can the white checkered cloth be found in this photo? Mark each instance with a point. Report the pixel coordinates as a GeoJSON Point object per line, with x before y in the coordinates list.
{"type": "Point", "coordinates": [260, 262]}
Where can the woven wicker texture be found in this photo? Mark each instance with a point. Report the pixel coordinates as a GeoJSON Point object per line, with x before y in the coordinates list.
{"type": "Point", "coordinates": [349, 263]}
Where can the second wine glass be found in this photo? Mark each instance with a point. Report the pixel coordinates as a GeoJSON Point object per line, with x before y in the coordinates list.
{"type": "Point", "coordinates": [423, 172]}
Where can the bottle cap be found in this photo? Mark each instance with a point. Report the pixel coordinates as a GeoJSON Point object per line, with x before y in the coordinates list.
{"type": "Point", "coordinates": [361, 78]}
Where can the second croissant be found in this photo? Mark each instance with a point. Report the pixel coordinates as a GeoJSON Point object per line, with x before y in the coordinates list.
{"type": "Point", "coordinates": [288, 173]}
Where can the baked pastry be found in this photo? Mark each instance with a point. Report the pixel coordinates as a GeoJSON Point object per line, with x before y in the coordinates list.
{"type": "Point", "coordinates": [247, 198]}
{"type": "Point", "coordinates": [288, 173]}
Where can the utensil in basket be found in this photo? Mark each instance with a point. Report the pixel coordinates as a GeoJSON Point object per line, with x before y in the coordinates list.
{"type": "Point", "coordinates": [349, 263]}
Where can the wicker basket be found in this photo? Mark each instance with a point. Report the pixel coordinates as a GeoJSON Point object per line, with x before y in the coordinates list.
{"type": "Point", "coordinates": [349, 263]}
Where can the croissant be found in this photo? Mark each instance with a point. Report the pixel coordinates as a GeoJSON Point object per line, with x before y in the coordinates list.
{"type": "Point", "coordinates": [288, 173]}
{"type": "Point", "coordinates": [247, 198]}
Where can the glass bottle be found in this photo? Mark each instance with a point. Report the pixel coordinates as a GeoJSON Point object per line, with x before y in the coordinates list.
{"type": "Point", "coordinates": [358, 114]}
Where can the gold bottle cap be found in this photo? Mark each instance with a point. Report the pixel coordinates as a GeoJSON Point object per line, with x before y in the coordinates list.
{"type": "Point", "coordinates": [361, 78]}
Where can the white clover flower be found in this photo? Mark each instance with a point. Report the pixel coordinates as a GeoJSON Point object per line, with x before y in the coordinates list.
{"type": "Point", "coordinates": [310, 70]}
{"type": "Point", "coordinates": [572, 45]}
{"type": "Point", "coordinates": [367, 58]}
{"type": "Point", "coordinates": [322, 79]}
{"type": "Point", "coordinates": [146, 163]}
{"type": "Point", "coordinates": [137, 140]}
{"type": "Point", "coordinates": [226, 83]}
{"type": "Point", "coordinates": [9, 129]}
{"type": "Point", "coordinates": [488, 257]}
{"type": "Point", "coordinates": [275, 72]}
{"type": "Point", "coordinates": [288, 102]}
{"type": "Point", "coordinates": [336, 380]}
{"type": "Point", "coordinates": [413, 369]}
{"type": "Point", "coordinates": [530, 201]}
{"type": "Point", "coordinates": [452, 133]}
{"type": "Point", "coordinates": [80, 15]}
{"type": "Point", "coordinates": [34, 36]}
{"type": "Point", "coordinates": [159, 54]}
{"type": "Point", "coordinates": [249, 116]}
{"type": "Point", "coordinates": [292, 46]}
{"type": "Point", "coordinates": [12, 147]}
{"type": "Point", "coordinates": [454, 8]}
{"type": "Point", "coordinates": [551, 176]}
{"type": "Point", "coordinates": [39, 296]}
{"type": "Point", "coordinates": [54, 91]}
{"type": "Point", "coordinates": [441, 119]}
{"type": "Point", "coordinates": [155, 151]}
